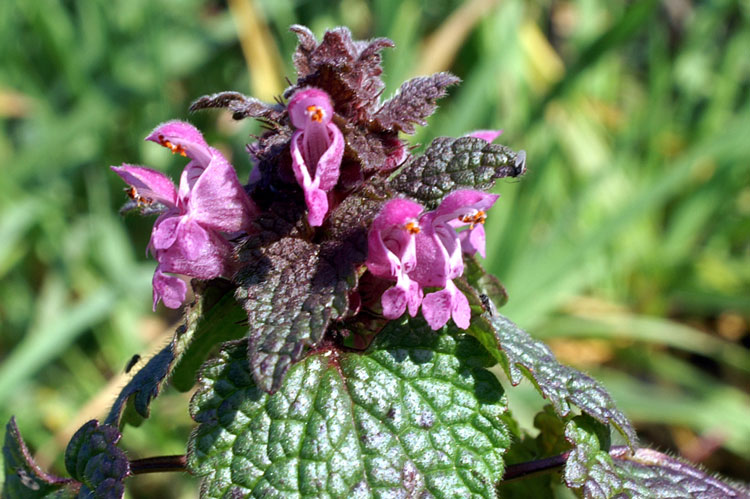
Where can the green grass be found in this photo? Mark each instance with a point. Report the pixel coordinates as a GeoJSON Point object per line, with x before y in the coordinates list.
{"type": "Point", "coordinates": [630, 232]}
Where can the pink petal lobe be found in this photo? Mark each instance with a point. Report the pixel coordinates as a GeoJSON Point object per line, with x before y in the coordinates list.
{"type": "Point", "coordinates": [148, 183]}
{"type": "Point", "coordinates": [192, 239]}
{"type": "Point", "coordinates": [317, 206]}
{"type": "Point", "coordinates": [460, 310]}
{"type": "Point", "coordinates": [218, 201]}
{"type": "Point", "coordinates": [328, 168]}
{"type": "Point", "coordinates": [437, 308]}
{"type": "Point", "coordinates": [164, 233]}
{"type": "Point", "coordinates": [171, 290]}
{"type": "Point", "coordinates": [394, 302]}
{"type": "Point", "coordinates": [473, 240]}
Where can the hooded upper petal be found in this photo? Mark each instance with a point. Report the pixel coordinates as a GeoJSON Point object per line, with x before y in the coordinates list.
{"type": "Point", "coordinates": [391, 240]}
{"type": "Point", "coordinates": [148, 183]}
{"type": "Point", "coordinates": [182, 138]}
{"type": "Point", "coordinates": [488, 135]}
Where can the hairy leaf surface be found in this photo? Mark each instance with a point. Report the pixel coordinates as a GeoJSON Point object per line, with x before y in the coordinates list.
{"type": "Point", "coordinates": [93, 458]}
{"type": "Point", "coordinates": [23, 478]}
{"type": "Point", "coordinates": [414, 102]}
{"type": "Point", "coordinates": [146, 384]}
{"type": "Point", "coordinates": [643, 473]}
{"type": "Point", "coordinates": [241, 106]}
{"type": "Point", "coordinates": [521, 355]}
{"type": "Point", "coordinates": [416, 413]}
{"type": "Point", "coordinates": [449, 164]}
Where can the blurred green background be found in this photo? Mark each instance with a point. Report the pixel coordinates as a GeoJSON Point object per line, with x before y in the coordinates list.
{"type": "Point", "coordinates": [626, 246]}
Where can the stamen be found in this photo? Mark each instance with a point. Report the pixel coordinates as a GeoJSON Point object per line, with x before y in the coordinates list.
{"type": "Point", "coordinates": [175, 148]}
{"type": "Point", "coordinates": [412, 228]}
{"type": "Point", "coordinates": [479, 217]}
{"type": "Point", "coordinates": [315, 113]}
{"type": "Point", "coordinates": [139, 200]}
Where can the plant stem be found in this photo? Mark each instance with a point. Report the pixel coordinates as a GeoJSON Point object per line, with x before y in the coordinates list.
{"type": "Point", "coordinates": [522, 470]}
{"type": "Point", "coordinates": [158, 464]}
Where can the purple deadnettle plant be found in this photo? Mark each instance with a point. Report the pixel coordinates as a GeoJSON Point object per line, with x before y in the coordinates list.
{"type": "Point", "coordinates": [342, 325]}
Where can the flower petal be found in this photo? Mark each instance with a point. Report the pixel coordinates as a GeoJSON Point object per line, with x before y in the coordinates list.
{"type": "Point", "coordinates": [437, 308]}
{"type": "Point", "coordinates": [171, 290]}
{"type": "Point", "coordinates": [328, 168]}
{"type": "Point", "coordinates": [460, 310]}
{"type": "Point", "coordinates": [317, 207]}
{"type": "Point", "coordinates": [148, 183]}
{"type": "Point", "coordinates": [182, 138]}
{"type": "Point", "coordinates": [465, 201]}
{"type": "Point", "coordinates": [308, 105]}
{"type": "Point", "coordinates": [218, 201]}
{"type": "Point", "coordinates": [164, 232]}
{"type": "Point", "coordinates": [488, 135]}
{"type": "Point", "coordinates": [394, 302]}
{"type": "Point", "coordinates": [473, 240]}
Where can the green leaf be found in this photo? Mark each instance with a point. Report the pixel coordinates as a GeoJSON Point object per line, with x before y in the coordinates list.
{"type": "Point", "coordinates": [449, 164]}
{"type": "Point", "coordinates": [23, 478]}
{"type": "Point", "coordinates": [93, 458]}
{"type": "Point", "coordinates": [643, 473]}
{"type": "Point", "coordinates": [521, 355]}
{"type": "Point", "coordinates": [484, 283]}
{"type": "Point", "coordinates": [221, 321]}
{"type": "Point", "coordinates": [652, 470]}
{"type": "Point", "coordinates": [416, 413]}
{"type": "Point", "coordinates": [146, 384]}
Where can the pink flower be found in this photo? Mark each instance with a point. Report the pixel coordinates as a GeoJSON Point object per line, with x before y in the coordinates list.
{"type": "Point", "coordinates": [488, 135]}
{"type": "Point", "coordinates": [187, 238]}
{"type": "Point", "coordinates": [427, 252]}
{"type": "Point", "coordinates": [392, 255]}
{"type": "Point", "coordinates": [317, 148]}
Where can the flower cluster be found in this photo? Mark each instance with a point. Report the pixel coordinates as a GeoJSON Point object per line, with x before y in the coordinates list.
{"type": "Point", "coordinates": [423, 250]}
{"type": "Point", "coordinates": [190, 236]}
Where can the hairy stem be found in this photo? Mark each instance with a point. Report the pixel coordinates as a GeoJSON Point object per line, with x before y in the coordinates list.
{"type": "Point", "coordinates": [158, 464]}
{"type": "Point", "coordinates": [521, 470]}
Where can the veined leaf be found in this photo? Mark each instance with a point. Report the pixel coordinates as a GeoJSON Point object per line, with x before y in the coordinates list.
{"type": "Point", "coordinates": [416, 413]}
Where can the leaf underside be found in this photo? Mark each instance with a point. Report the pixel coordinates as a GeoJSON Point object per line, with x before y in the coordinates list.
{"type": "Point", "coordinates": [417, 413]}
{"type": "Point", "coordinates": [449, 164]}
{"type": "Point", "coordinates": [146, 384]}
{"type": "Point", "coordinates": [521, 355]}
{"type": "Point", "coordinates": [23, 478]}
{"type": "Point", "coordinates": [93, 458]}
{"type": "Point", "coordinates": [643, 473]}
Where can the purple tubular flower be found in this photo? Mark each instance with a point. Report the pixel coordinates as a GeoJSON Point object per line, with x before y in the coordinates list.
{"type": "Point", "coordinates": [392, 255]}
{"type": "Point", "coordinates": [187, 238]}
{"type": "Point", "coordinates": [317, 148]}
{"type": "Point", "coordinates": [427, 252]}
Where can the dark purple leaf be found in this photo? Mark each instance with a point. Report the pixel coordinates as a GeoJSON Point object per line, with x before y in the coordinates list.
{"type": "Point", "coordinates": [414, 102]}
{"type": "Point", "coordinates": [93, 458]}
{"type": "Point", "coordinates": [241, 106]}
{"type": "Point", "coordinates": [348, 70]}
{"type": "Point", "coordinates": [23, 478]}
